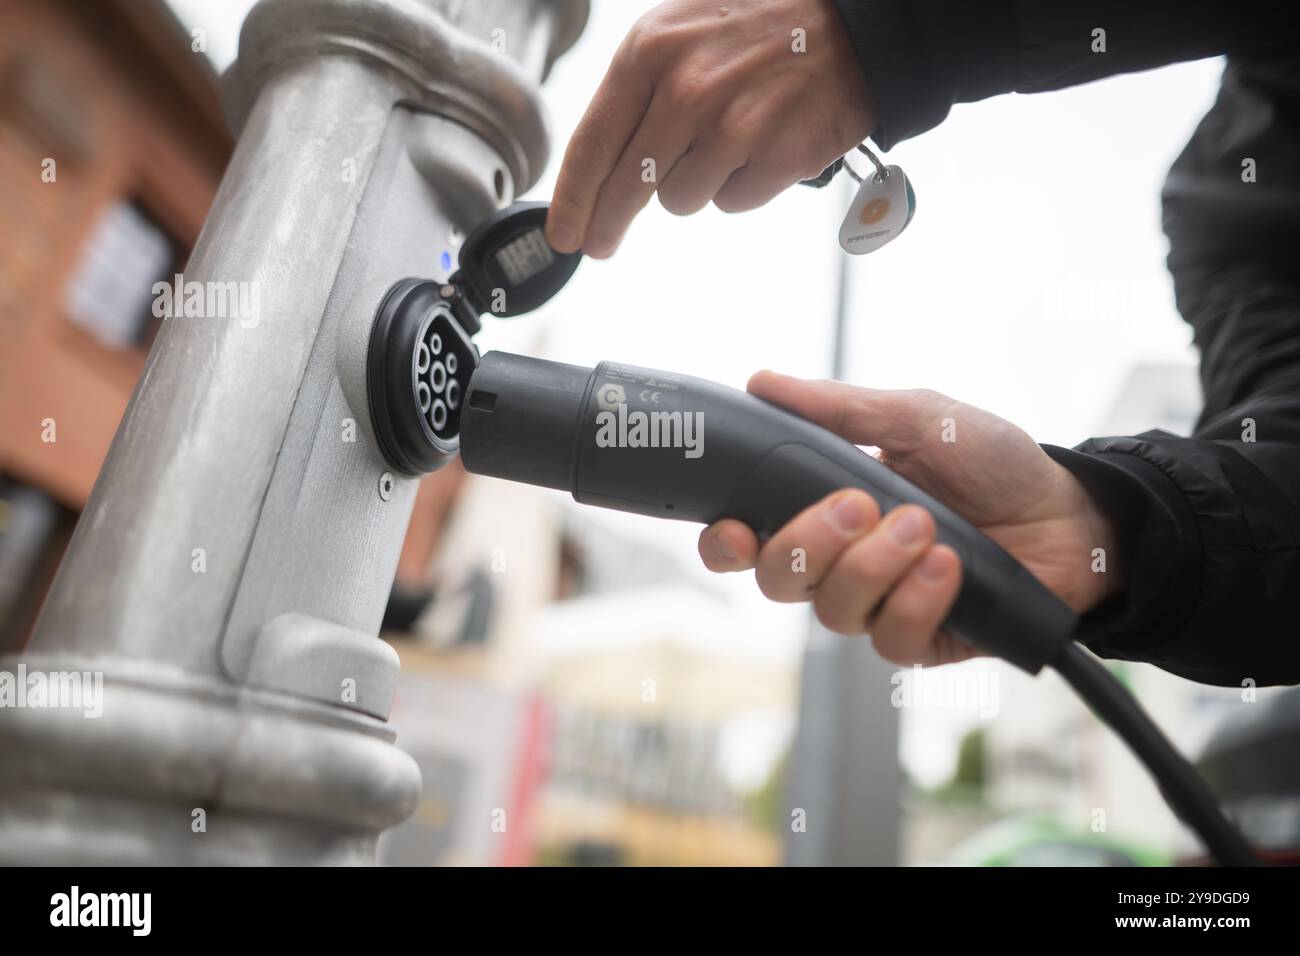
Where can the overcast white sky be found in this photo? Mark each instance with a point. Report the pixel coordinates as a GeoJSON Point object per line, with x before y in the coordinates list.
{"type": "Point", "coordinates": [1030, 281]}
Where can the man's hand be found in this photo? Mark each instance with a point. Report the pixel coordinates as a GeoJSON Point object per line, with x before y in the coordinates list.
{"type": "Point", "coordinates": [888, 576]}
{"type": "Point", "coordinates": [723, 100]}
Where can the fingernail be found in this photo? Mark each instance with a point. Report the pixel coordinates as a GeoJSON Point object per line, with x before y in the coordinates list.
{"type": "Point", "coordinates": [724, 552]}
{"type": "Point", "coordinates": [908, 527]}
{"type": "Point", "coordinates": [562, 237]}
{"type": "Point", "coordinates": [849, 514]}
{"type": "Point", "coordinates": [933, 566]}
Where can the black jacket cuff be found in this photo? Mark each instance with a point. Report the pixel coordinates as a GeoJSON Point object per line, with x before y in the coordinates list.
{"type": "Point", "coordinates": [1160, 552]}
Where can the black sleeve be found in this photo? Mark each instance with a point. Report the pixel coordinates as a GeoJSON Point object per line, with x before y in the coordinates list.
{"type": "Point", "coordinates": [1210, 541]}
{"type": "Point", "coordinates": [922, 56]}
{"type": "Point", "coordinates": [1213, 520]}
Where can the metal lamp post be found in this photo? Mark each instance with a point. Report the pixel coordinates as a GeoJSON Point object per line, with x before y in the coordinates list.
{"type": "Point", "coordinates": [231, 569]}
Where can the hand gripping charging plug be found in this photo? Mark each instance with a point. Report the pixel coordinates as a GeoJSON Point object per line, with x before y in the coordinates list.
{"type": "Point", "coordinates": [672, 446]}
{"type": "Point", "coordinates": [616, 436]}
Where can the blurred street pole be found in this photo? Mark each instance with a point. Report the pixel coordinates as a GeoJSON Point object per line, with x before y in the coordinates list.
{"type": "Point", "coordinates": [844, 771]}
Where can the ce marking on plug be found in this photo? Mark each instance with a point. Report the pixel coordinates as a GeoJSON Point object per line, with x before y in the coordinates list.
{"type": "Point", "coordinates": [651, 397]}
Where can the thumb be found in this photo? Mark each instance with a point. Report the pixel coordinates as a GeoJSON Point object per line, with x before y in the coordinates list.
{"type": "Point", "coordinates": [898, 421]}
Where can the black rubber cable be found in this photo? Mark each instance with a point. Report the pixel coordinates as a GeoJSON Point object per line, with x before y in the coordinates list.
{"type": "Point", "coordinates": [1186, 792]}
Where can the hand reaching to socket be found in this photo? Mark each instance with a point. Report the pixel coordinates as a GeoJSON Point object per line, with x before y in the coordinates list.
{"type": "Point", "coordinates": [729, 101]}
{"type": "Point", "coordinates": [888, 576]}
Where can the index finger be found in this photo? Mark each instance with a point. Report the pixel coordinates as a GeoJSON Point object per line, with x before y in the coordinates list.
{"type": "Point", "coordinates": [612, 117]}
{"type": "Point", "coordinates": [893, 419]}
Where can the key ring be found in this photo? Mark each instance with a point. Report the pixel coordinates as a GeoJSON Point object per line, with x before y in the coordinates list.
{"type": "Point", "coordinates": [881, 172]}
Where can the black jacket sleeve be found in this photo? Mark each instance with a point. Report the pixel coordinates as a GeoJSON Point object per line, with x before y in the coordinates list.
{"type": "Point", "coordinates": [922, 56]}
{"type": "Point", "coordinates": [1210, 524]}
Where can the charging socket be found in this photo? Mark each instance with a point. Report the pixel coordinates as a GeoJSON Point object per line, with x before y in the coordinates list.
{"type": "Point", "coordinates": [421, 352]}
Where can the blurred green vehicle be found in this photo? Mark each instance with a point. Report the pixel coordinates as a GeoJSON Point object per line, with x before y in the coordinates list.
{"type": "Point", "coordinates": [1042, 840]}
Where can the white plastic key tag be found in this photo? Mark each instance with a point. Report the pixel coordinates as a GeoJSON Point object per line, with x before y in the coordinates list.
{"type": "Point", "coordinates": [880, 211]}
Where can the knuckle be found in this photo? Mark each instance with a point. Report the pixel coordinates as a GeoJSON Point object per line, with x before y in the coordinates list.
{"type": "Point", "coordinates": [812, 165]}
{"type": "Point", "coordinates": [808, 170]}
{"type": "Point", "coordinates": [843, 133]}
{"type": "Point", "coordinates": [871, 566]}
{"type": "Point", "coordinates": [929, 398]}
{"type": "Point", "coordinates": [644, 42]}
{"type": "Point", "coordinates": [807, 159]}
{"type": "Point", "coordinates": [740, 124]}
{"type": "Point", "coordinates": [832, 616]}
{"type": "Point", "coordinates": [898, 639]}
{"type": "Point", "coordinates": [889, 645]}
{"type": "Point", "coordinates": [735, 198]}
{"type": "Point", "coordinates": [726, 202]}
{"type": "Point", "coordinates": [568, 208]}
{"type": "Point", "coordinates": [587, 158]}
{"type": "Point", "coordinates": [819, 126]}
{"type": "Point", "coordinates": [688, 93]}
{"type": "Point", "coordinates": [623, 204]}
{"type": "Point", "coordinates": [907, 613]}
{"type": "Point", "coordinates": [677, 201]}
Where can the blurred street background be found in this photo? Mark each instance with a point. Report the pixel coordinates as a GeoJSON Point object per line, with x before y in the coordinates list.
{"type": "Point", "coordinates": [579, 669]}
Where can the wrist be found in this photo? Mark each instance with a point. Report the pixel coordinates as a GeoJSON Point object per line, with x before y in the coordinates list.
{"type": "Point", "coordinates": [1101, 568]}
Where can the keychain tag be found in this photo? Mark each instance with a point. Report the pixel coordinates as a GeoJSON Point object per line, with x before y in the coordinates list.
{"type": "Point", "coordinates": [880, 211]}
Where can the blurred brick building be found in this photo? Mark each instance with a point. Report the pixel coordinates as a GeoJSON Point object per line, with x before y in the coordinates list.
{"type": "Point", "coordinates": [112, 144]}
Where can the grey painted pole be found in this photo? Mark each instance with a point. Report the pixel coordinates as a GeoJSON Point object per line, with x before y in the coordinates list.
{"type": "Point", "coordinates": [844, 768]}
{"type": "Point", "coordinates": [230, 571]}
